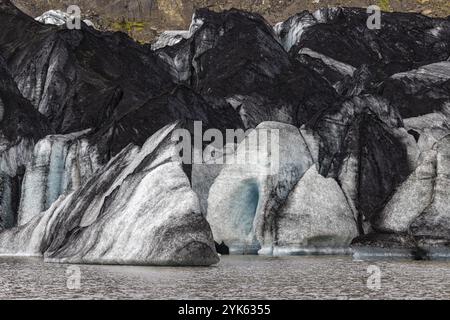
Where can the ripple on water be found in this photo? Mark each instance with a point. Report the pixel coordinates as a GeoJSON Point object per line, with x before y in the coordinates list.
{"type": "Point", "coordinates": [235, 277]}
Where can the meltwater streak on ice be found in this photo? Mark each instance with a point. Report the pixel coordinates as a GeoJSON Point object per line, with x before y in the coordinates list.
{"type": "Point", "coordinates": [245, 277]}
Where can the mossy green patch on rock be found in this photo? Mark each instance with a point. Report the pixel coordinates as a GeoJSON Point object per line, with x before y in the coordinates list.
{"type": "Point", "coordinates": [385, 5]}
{"type": "Point", "coordinates": [128, 26]}
{"type": "Point", "coordinates": [145, 19]}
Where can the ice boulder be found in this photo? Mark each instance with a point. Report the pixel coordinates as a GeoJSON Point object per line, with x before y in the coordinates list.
{"type": "Point", "coordinates": [245, 197]}
{"type": "Point", "coordinates": [137, 209]}
{"type": "Point", "coordinates": [434, 221]}
{"type": "Point", "coordinates": [417, 211]}
{"type": "Point", "coordinates": [316, 218]}
{"type": "Point", "coordinates": [420, 205]}
{"type": "Point", "coordinates": [411, 198]}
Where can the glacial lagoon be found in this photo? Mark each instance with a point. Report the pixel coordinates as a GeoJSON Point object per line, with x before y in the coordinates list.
{"type": "Point", "coordinates": [235, 277]}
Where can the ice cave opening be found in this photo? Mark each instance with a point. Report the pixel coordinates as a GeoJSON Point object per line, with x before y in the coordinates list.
{"type": "Point", "coordinates": [244, 208]}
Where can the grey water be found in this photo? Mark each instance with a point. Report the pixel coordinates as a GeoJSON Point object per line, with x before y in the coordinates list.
{"type": "Point", "coordinates": [235, 277]}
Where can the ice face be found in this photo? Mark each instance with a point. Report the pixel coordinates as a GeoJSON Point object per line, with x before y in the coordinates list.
{"type": "Point", "coordinates": [56, 172]}
{"type": "Point", "coordinates": [316, 215]}
{"type": "Point", "coordinates": [238, 231]}
{"type": "Point", "coordinates": [13, 159]}
{"type": "Point", "coordinates": [16, 156]}
{"type": "Point", "coordinates": [435, 219]}
{"type": "Point", "coordinates": [400, 211]}
{"type": "Point", "coordinates": [137, 209]}
{"type": "Point", "coordinates": [59, 165]}
{"type": "Point", "coordinates": [245, 207]}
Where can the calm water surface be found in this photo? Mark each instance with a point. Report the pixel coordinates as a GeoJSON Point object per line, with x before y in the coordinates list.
{"type": "Point", "coordinates": [236, 277]}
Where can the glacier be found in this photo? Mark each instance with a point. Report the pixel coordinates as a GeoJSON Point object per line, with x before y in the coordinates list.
{"type": "Point", "coordinates": [89, 173]}
{"type": "Point", "coordinates": [134, 197]}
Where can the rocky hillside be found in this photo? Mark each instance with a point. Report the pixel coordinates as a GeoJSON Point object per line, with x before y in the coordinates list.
{"type": "Point", "coordinates": [144, 19]}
